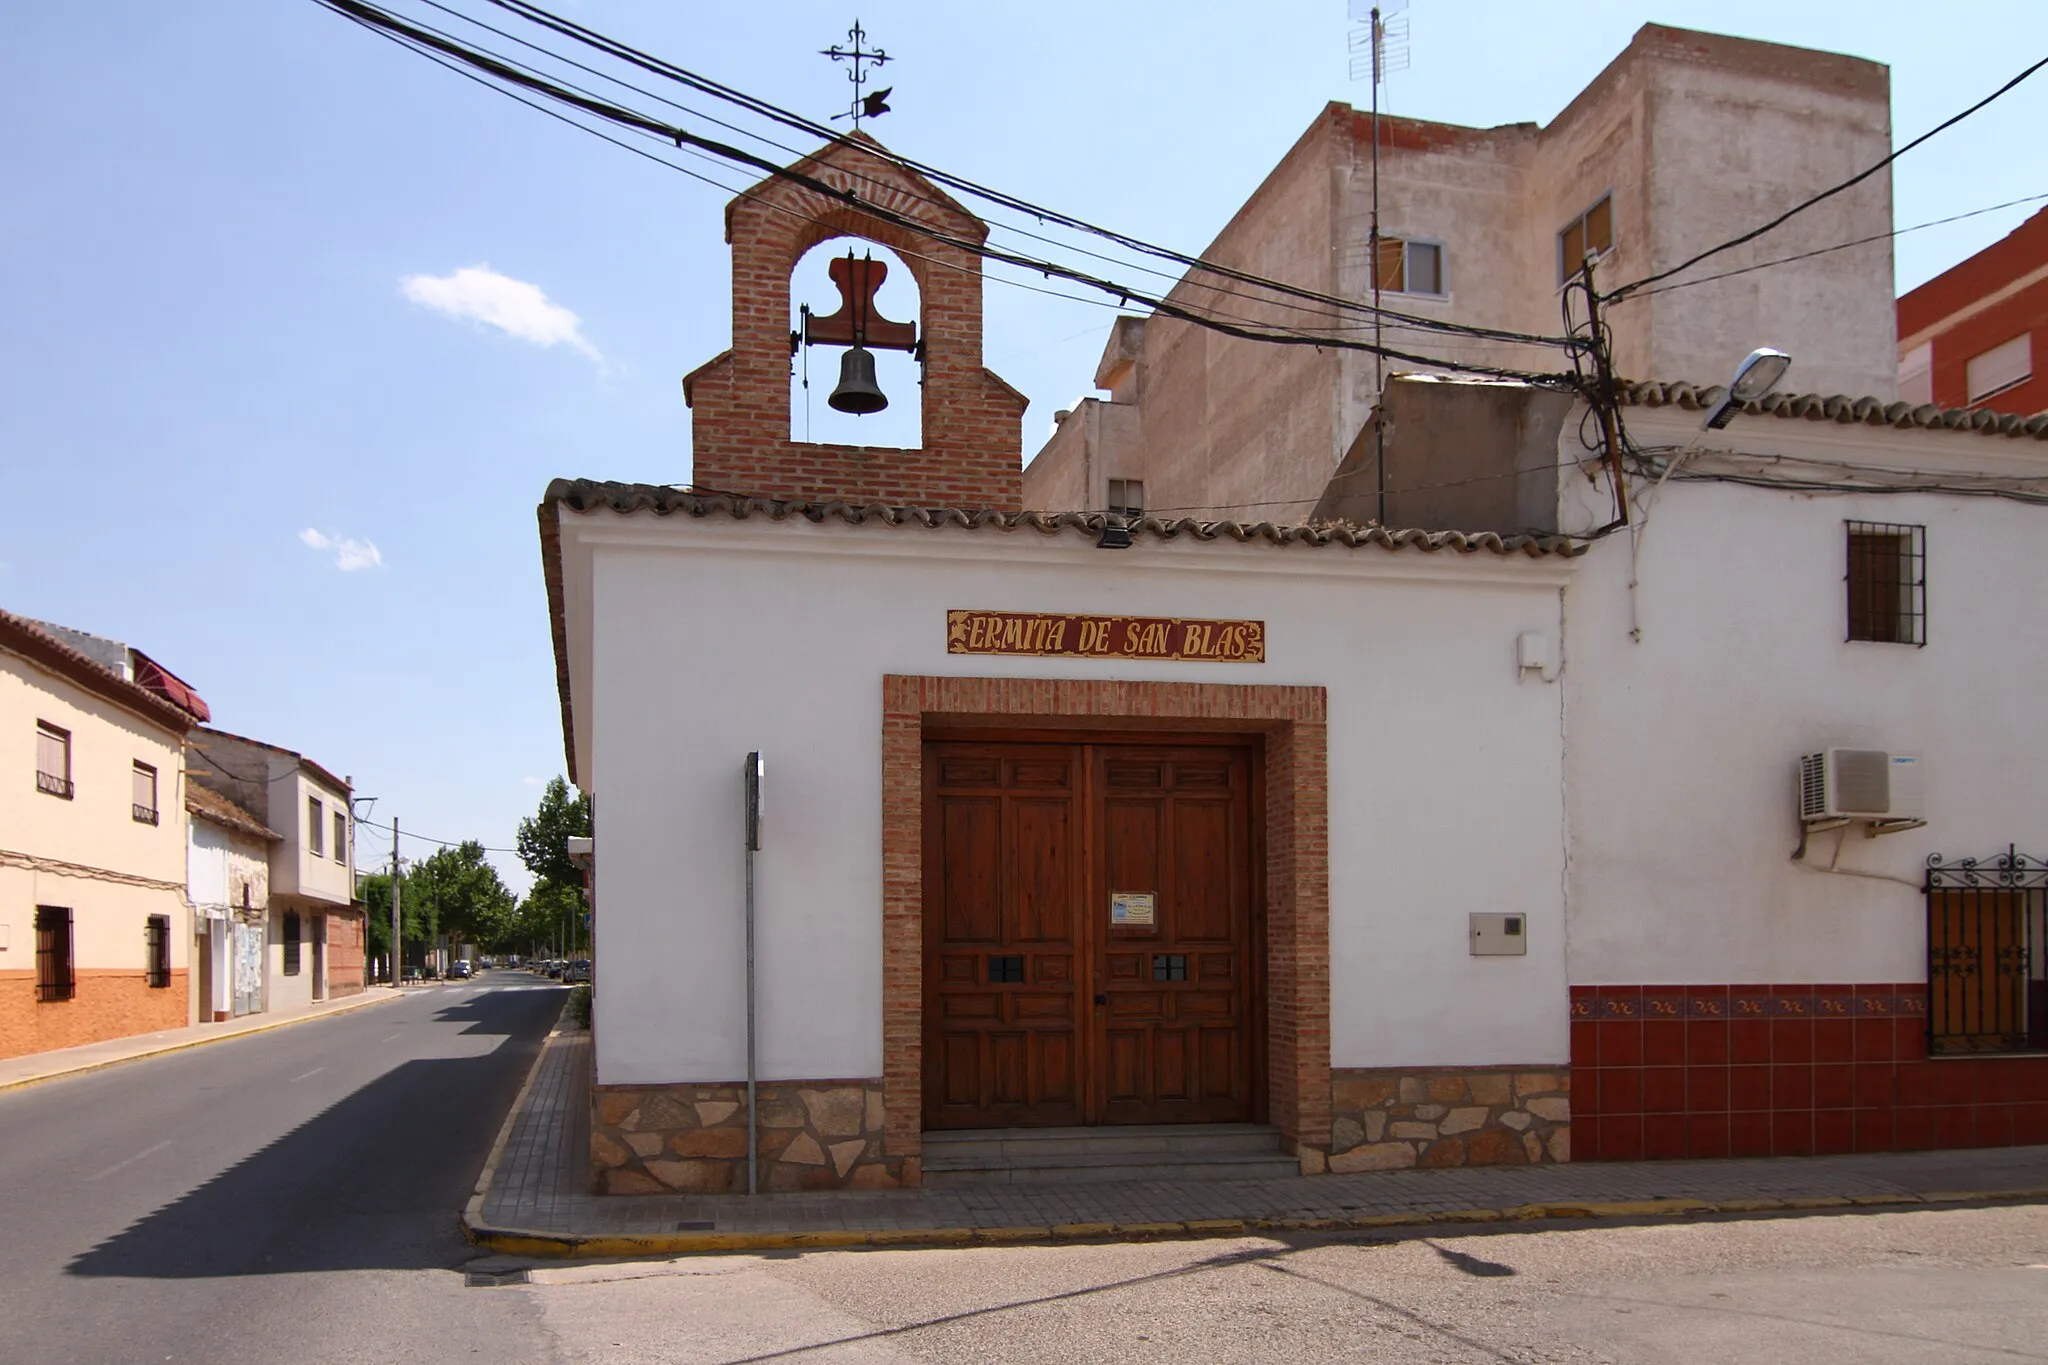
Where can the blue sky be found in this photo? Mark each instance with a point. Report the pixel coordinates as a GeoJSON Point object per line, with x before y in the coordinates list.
{"type": "Point", "coordinates": [232, 232]}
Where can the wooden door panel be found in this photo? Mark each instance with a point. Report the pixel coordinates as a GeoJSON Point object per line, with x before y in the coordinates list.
{"type": "Point", "coordinates": [1043, 869]}
{"type": "Point", "coordinates": [970, 901]}
{"type": "Point", "coordinates": [1038, 1010]}
{"type": "Point", "coordinates": [1003, 880]}
{"type": "Point", "coordinates": [1177, 1008]}
{"type": "Point", "coordinates": [1203, 894]}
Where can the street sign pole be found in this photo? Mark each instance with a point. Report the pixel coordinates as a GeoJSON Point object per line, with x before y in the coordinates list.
{"type": "Point", "coordinates": [753, 814]}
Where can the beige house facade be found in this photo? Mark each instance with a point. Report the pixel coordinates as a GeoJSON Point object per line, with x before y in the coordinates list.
{"type": "Point", "coordinates": [94, 925]}
{"type": "Point", "coordinates": [1684, 140]}
{"type": "Point", "coordinates": [313, 931]}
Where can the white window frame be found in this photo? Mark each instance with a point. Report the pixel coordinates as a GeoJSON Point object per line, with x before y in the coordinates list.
{"type": "Point", "coordinates": [2024, 342]}
{"type": "Point", "coordinates": [1443, 266]}
{"type": "Point", "coordinates": [1606, 196]}
{"type": "Point", "coordinates": [317, 841]}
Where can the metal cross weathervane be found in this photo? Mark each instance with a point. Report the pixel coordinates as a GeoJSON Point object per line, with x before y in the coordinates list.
{"type": "Point", "coordinates": [863, 106]}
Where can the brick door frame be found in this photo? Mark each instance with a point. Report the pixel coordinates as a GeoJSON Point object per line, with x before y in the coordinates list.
{"type": "Point", "coordinates": [1293, 723]}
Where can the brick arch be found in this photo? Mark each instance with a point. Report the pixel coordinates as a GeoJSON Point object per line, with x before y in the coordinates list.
{"type": "Point", "coordinates": [1292, 726]}
{"type": "Point", "coordinates": [971, 456]}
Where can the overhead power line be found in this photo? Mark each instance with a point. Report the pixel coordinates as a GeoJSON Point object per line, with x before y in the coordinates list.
{"type": "Point", "coordinates": [419, 38]}
{"type": "Point", "coordinates": [430, 839]}
{"type": "Point", "coordinates": [1040, 213]}
{"type": "Point", "coordinates": [1838, 246]}
{"type": "Point", "coordinates": [1623, 291]}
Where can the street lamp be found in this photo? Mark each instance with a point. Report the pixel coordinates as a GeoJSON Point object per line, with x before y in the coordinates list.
{"type": "Point", "coordinates": [1754, 378]}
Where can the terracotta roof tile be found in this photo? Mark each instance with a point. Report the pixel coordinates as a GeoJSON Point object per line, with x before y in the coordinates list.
{"type": "Point", "coordinates": [1843, 409]}
{"type": "Point", "coordinates": [211, 805]}
{"type": "Point", "coordinates": [584, 495]}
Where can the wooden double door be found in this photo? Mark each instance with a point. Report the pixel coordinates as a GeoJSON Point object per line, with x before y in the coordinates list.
{"type": "Point", "coordinates": [1091, 942]}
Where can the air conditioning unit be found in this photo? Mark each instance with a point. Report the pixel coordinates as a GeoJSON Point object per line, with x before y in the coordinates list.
{"type": "Point", "coordinates": [1860, 784]}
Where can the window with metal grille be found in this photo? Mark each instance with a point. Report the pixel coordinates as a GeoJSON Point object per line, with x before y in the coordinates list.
{"type": "Point", "coordinates": [1887, 581]}
{"type": "Point", "coordinates": [53, 760]}
{"type": "Point", "coordinates": [1006, 968]}
{"type": "Point", "coordinates": [55, 977]}
{"type": "Point", "coordinates": [291, 943]}
{"type": "Point", "coordinates": [1589, 234]}
{"type": "Point", "coordinates": [1127, 498]}
{"type": "Point", "coordinates": [314, 831]}
{"type": "Point", "coordinates": [1169, 966]}
{"type": "Point", "coordinates": [340, 837]}
{"type": "Point", "coordinates": [144, 807]}
{"type": "Point", "coordinates": [157, 936]}
{"type": "Point", "coordinates": [1987, 922]}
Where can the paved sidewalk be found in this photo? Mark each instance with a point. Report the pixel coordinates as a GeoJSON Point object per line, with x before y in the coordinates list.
{"type": "Point", "coordinates": [44, 1066]}
{"type": "Point", "coordinates": [534, 1198]}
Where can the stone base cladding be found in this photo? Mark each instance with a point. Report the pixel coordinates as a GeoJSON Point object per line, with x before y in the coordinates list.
{"type": "Point", "coordinates": [1785, 1070]}
{"type": "Point", "coordinates": [1386, 1120]}
{"type": "Point", "coordinates": [109, 1003]}
{"type": "Point", "coordinates": [814, 1135]}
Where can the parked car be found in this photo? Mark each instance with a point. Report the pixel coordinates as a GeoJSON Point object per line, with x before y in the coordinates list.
{"type": "Point", "coordinates": [578, 970]}
{"type": "Point", "coordinates": [556, 968]}
{"type": "Point", "coordinates": [460, 970]}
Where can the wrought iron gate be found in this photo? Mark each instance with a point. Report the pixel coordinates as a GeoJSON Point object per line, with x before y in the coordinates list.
{"type": "Point", "coordinates": [1987, 924]}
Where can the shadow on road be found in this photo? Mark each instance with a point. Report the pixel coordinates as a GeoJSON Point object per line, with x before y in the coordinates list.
{"type": "Point", "coordinates": [375, 1181]}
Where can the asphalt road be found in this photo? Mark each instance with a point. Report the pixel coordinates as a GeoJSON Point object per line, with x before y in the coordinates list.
{"type": "Point", "coordinates": [288, 1196]}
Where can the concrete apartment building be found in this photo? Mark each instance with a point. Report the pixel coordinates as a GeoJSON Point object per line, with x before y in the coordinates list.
{"type": "Point", "coordinates": [1970, 336]}
{"type": "Point", "coordinates": [314, 930]}
{"type": "Point", "coordinates": [1684, 140]}
{"type": "Point", "coordinates": [94, 930]}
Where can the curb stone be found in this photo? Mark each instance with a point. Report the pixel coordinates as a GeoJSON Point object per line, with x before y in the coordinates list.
{"type": "Point", "coordinates": [551, 1245]}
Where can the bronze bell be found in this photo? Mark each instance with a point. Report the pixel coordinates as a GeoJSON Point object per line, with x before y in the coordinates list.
{"type": "Point", "coordinates": [857, 392]}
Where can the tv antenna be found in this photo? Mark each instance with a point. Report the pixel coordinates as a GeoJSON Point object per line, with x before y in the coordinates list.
{"type": "Point", "coordinates": [860, 59]}
{"type": "Point", "coordinates": [1378, 44]}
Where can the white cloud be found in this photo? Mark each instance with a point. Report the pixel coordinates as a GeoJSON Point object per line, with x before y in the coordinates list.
{"type": "Point", "coordinates": [514, 307]}
{"type": "Point", "coordinates": [533, 781]}
{"type": "Point", "coordinates": [350, 554]}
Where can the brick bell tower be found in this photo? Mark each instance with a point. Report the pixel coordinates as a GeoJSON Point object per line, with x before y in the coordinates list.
{"type": "Point", "coordinates": [973, 421]}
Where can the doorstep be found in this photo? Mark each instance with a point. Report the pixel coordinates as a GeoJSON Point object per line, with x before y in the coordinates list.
{"type": "Point", "coordinates": [533, 1197]}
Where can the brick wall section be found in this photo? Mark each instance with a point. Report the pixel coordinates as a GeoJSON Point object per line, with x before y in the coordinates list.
{"type": "Point", "coordinates": [1462, 1116]}
{"type": "Point", "coordinates": [813, 1135]}
{"type": "Point", "coordinates": [345, 953]}
{"type": "Point", "coordinates": [972, 456]}
{"type": "Point", "coordinates": [110, 1003]}
{"type": "Point", "coordinates": [1293, 723]}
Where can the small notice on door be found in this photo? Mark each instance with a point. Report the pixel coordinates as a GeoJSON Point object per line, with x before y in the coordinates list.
{"type": "Point", "coordinates": [1130, 907]}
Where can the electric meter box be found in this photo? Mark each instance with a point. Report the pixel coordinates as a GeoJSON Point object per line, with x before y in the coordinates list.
{"type": "Point", "coordinates": [1500, 935]}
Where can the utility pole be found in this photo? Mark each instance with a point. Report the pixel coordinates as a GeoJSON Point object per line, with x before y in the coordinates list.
{"type": "Point", "coordinates": [397, 972]}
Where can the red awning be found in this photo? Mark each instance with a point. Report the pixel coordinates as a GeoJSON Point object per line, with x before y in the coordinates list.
{"type": "Point", "coordinates": [168, 685]}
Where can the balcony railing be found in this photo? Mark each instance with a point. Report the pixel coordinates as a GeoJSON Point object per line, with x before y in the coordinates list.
{"type": "Point", "coordinates": [52, 785]}
{"type": "Point", "coordinates": [144, 815]}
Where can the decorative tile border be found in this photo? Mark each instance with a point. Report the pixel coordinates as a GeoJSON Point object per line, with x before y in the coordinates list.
{"type": "Point", "coordinates": [1610, 1003]}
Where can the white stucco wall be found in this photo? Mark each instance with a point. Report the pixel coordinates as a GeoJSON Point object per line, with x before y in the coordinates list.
{"type": "Point", "coordinates": [1681, 749]}
{"type": "Point", "coordinates": [710, 638]}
